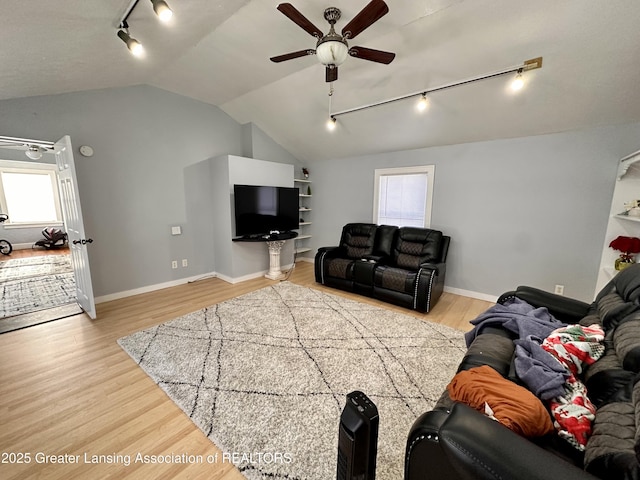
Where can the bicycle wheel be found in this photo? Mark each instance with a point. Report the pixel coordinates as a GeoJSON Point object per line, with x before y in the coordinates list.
{"type": "Point", "coordinates": [5, 247]}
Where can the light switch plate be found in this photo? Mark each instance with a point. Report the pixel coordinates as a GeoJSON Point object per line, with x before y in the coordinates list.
{"type": "Point", "coordinates": [176, 230]}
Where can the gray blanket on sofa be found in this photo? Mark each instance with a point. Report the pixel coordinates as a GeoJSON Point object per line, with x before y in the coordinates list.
{"type": "Point", "coordinates": [518, 317]}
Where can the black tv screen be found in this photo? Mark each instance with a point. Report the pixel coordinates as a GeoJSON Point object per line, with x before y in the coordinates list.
{"type": "Point", "coordinates": [260, 210]}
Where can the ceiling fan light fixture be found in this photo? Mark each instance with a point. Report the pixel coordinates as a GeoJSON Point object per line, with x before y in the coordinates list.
{"type": "Point", "coordinates": [331, 123]}
{"type": "Point", "coordinates": [134, 46]}
{"type": "Point", "coordinates": [423, 103]}
{"type": "Point", "coordinates": [332, 52]}
{"type": "Point", "coordinates": [162, 10]}
{"type": "Point", "coordinates": [34, 152]}
{"type": "Point", "coordinates": [518, 81]}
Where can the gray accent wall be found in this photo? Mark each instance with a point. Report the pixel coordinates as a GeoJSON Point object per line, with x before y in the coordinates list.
{"type": "Point", "coordinates": [527, 211]}
{"type": "Point", "coordinates": [133, 189]}
{"type": "Point", "coordinates": [520, 211]}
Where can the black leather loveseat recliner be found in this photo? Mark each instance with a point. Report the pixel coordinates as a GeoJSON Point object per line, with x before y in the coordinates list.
{"type": "Point", "coordinates": [456, 442]}
{"type": "Point", "coordinates": [405, 266]}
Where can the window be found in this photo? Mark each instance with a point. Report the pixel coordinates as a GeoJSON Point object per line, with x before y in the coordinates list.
{"type": "Point", "coordinates": [402, 196]}
{"type": "Point", "coordinates": [29, 193]}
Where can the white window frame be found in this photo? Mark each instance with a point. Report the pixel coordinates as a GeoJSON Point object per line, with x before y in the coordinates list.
{"type": "Point", "coordinates": [429, 170]}
{"type": "Point", "coordinates": [11, 166]}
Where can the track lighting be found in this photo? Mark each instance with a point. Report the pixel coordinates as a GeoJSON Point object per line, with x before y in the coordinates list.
{"type": "Point", "coordinates": [423, 103]}
{"type": "Point", "coordinates": [162, 10]}
{"type": "Point", "coordinates": [331, 124]}
{"type": "Point", "coordinates": [34, 152]}
{"type": "Point", "coordinates": [518, 81]}
{"type": "Point", "coordinates": [33, 149]}
{"type": "Point", "coordinates": [134, 46]}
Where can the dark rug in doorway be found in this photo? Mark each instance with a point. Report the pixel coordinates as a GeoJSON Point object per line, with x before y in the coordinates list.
{"type": "Point", "coordinates": [268, 372]}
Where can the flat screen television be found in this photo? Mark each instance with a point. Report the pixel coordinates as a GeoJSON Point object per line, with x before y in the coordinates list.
{"type": "Point", "coordinates": [260, 209]}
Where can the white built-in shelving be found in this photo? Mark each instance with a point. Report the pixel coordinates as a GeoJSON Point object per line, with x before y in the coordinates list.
{"type": "Point", "coordinates": [302, 239]}
{"type": "Point", "coordinates": [627, 189]}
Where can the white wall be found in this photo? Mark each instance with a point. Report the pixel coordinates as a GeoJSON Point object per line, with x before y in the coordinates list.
{"type": "Point", "coordinates": [520, 211]}
{"type": "Point", "coordinates": [249, 257]}
{"type": "Point", "coordinates": [209, 190]}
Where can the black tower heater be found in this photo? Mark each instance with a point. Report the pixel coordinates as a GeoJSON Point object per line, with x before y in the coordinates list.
{"type": "Point", "coordinates": [358, 439]}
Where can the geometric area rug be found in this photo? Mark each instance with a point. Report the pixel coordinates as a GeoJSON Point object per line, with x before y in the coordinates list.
{"type": "Point", "coordinates": [265, 376]}
{"type": "Point", "coordinates": [35, 283]}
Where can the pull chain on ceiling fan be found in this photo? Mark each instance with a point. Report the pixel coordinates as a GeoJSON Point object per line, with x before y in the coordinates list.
{"type": "Point", "coordinates": [332, 49]}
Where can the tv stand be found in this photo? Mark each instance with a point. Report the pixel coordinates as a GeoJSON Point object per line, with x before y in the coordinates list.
{"type": "Point", "coordinates": [275, 272]}
{"type": "Point", "coordinates": [274, 244]}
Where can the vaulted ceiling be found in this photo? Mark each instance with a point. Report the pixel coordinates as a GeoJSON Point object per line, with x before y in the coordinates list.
{"type": "Point", "coordinates": [218, 52]}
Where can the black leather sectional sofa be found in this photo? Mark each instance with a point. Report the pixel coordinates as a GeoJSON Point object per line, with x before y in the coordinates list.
{"type": "Point", "coordinates": [456, 442]}
{"type": "Point", "coordinates": [405, 266]}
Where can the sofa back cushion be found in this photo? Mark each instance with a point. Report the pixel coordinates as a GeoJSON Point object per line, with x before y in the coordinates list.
{"type": "Point", "coordinates": [385, 235]}
{"type": "Point", "coordinates": [414, 246]}
{"type": "Point", "coordinates": [357, 239]}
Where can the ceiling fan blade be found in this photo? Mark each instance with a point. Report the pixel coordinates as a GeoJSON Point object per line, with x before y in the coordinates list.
{"type": "Point", "coordinates": [372, 55]}
{"type": "Point", "coordinates": [331, 73]}
{"type": "Point", "coordinates": [296, 17]}
{"type": "Point", "coordinates": [374, 11]}
{"type": "Point", "coordinates": [292, 55]}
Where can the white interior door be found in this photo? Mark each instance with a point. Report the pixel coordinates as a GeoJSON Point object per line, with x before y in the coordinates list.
{"type": "Point", "coordinates": [75, 227]}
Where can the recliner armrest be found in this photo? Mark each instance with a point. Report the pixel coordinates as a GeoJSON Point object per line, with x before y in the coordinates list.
{"type": "Point", "coordinates": [438, 267]}
{"type": "Point", "coordinates": [333, 251]}
{"type": "Point", "coordinates": [480, 448]}
{"type": "Point", "coordinates": [564, 309]}
{"type": "Point", "coordinates": [328, 249]}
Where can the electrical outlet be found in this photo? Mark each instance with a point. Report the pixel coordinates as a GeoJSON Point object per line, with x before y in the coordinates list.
{"type": "Point", "coordinates": [185, 263]}
{"type": "Point", "coordinates": [174, 264]}
{"type": "Point", "coordinates": [559, 290]}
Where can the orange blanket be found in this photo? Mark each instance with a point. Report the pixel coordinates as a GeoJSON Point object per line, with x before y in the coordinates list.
{"type": "Point", "coordinates": [513, 406]}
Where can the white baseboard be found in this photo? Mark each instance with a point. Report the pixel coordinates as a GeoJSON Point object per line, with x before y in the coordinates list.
{"type": "Point", "coordinates": [250, 276]}
{"type": "Point", "coordinates": [151, 288]}
{"type": "Point", "coordinates": [471, 294]}
{"type": "Point", "coordinates": [173, 283]}
{"type": "Point", "coordinates": [233, 280]}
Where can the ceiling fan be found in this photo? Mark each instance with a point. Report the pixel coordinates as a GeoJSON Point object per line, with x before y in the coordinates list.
{"type": "Point", "coordinates": [332, 49]}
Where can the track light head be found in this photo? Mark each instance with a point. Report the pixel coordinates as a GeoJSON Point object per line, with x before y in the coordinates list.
{"type": "Point", "coordinates": [331, 123]}
{"type": "Point", "coordinates": [518, 81]}
{"type": "Point", "coordinates": [423, 103]}
{"type": "Point", "coordinates": [134, 46]}
{"type": "Point", "coordinates": [162, 10]}
{"type": "Point", "coordinates": [34, 152]}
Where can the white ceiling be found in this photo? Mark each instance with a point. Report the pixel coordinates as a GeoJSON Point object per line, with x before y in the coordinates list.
{"type": "Point", "coordinates": [218, 52]}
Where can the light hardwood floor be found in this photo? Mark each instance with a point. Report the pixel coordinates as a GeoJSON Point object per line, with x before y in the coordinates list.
{"type": "Point", "coordinates": [67, 388]}
{"type": "Point", "coordinates": [34, 252]}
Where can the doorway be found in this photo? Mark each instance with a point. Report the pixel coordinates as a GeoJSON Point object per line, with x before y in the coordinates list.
{"type": "Point", "coordinates": [71, 287]}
